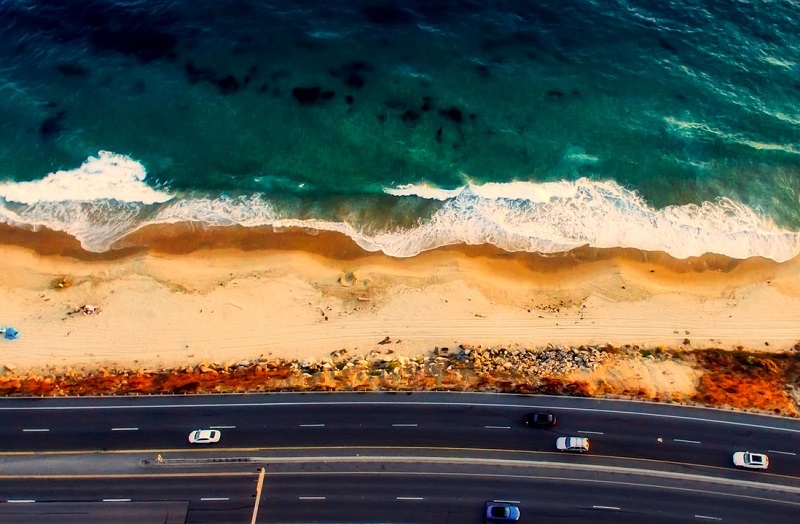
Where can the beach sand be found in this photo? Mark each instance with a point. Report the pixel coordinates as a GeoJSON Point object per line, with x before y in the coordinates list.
{"type": "Point", "coordinates": [231, 294]}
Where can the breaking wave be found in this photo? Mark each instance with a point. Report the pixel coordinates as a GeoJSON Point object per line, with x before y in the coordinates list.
{"type": "Point", "coordinates": [106, 199]}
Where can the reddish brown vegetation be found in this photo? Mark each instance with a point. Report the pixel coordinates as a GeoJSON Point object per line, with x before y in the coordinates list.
{"type": "Point", "coordinates": [747, 381]}
{"type": "Point", "coordinates": [733, 379]}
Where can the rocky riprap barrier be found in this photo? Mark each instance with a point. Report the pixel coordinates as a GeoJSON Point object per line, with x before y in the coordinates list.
{"type": "Point", "coordinates": [548, 361]}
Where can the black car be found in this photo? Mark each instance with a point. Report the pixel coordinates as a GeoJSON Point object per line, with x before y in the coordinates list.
{"type": "Point", "coordinates": [541, 419]}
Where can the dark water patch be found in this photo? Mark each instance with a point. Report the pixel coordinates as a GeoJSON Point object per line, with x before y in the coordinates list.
{"type": "Point", "coordinates": [353, 73]}
{"type": "Point", "coordinates": [410, 117]}
{"type": "Point", "coordinates": [198, 74]}
{"type": "Point", "coordinates": [72, 70]}
{"type": "Point", "coordinates": [280, 74]}
{"type": "Point", "coordinates": [349, 100]}
{"type": "Point", "coordinates": [439, 134]}
{"type": "Point", "coordinates": [453, 114]}
{"type": "Point", "coordinates": [555, 93]}
{"type": "Point", "coordinates": [427, 104]}
{"type": "Point", "coordinates": [307, 96]}
{"type": "Point", "coordinates": [355, 80]}
{"type": "Point", "coordinates": [134, 35]}
{"type": "Point", "coordinates": [138, 31]}
{"type": "Point", "coordinates": [387, 15]}
{"type": "Point", "coordinates": [228, 85]}
{"type": "Point", "coordinates": [263, 88]}
{"type": "Point", "coordinates": [52, 126]}
{"type": "Point", "coordinates": [667, 45]}
{"type": "Point", "coordinates": [483, 71]}
{"type": "Point", "coordinates": [252, 73]}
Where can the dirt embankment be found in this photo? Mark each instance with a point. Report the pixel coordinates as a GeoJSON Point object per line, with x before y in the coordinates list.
{"type": "Point", "coordinates": [709, 377]}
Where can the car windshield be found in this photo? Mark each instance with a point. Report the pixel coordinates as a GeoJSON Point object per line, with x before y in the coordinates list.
{"type": "Point", "coordinates": [755, 459]}
{"type": "Point", "coordinates": [499, 511]}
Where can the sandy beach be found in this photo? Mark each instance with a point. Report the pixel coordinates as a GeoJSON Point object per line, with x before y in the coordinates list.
{"type": "Point", "coordinates": [218, 297]}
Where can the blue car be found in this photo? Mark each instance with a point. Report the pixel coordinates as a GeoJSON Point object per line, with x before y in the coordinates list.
{"type": "Point", "coordinates": [500, 512]}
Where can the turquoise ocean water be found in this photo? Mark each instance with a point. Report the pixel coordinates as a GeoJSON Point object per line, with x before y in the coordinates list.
{"type": "Point", "coordinates": [531, 125]}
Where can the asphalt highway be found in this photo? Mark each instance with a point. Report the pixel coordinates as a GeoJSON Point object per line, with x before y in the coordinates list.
{"type": "Point", "coordinates": [675, 434]}
{"type": "Point", "coordinates": [357, 497]}
{"type": "Point", "coordinates": [687, 443]}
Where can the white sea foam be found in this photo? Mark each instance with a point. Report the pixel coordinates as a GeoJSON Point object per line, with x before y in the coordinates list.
{"type": "Point", "coordinates": [428, 191]}
{"type": "Point", "coordinates": [108, 176]}
{"type": "Point", "coordinates": [558, 216]}
{"type": "Point", "coordinates": [518, 216]}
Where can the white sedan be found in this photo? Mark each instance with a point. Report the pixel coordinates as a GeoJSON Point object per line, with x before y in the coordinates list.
{"type": "Point", "coordinates": [204, 436]}
{"type": "Point", "coordinates": [577, 444]}
{"type": "Point", "coordinates": [745, 459]}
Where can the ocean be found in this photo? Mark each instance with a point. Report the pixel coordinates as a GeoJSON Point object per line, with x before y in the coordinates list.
{"type": "Point", "coordinates": [408, 125]}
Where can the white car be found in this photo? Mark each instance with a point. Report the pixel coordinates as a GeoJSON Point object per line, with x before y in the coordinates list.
{"type": "Point", "coordinates": [577, 444]}
{"type": "Point", "coordinates": [204, 436]}
{"type": "Point", "coordinates": [745, 459]}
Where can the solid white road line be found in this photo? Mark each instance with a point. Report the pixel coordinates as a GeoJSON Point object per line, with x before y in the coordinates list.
{"type": "Point", "coordinates": [312, 425]}
{"type": "Point", "coordinates": [212, 499]}
{"type": "Point", "coordinates": [21, 501]}
{"type": "Point", "coordinates": [404, 425]}
{"type": "Point", "coordinates": [124, 429]}
{"type": "Point", "coordinates": [497, 427]}
{"type": "Point", "coordinates": [591, 432]}
{"type": "Point", "coordinates": [222, 427]}
{"type": "Point", "coordinates": [686, 441]}
{"type": "Point", "coordinates": [35, 430]}
{"type": "Point", "coordinates": [606, 507]}
{"type": "Point", "coordinates": [706, 517]}
{"type": "Point", "coordinates": [410, 498]}
{"type": "Point", "coordinates": [116, 500]}
{"type": "Point", "coordinates": [311, 498]}
{"type": "Point", "coordinates": [781, 452]}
